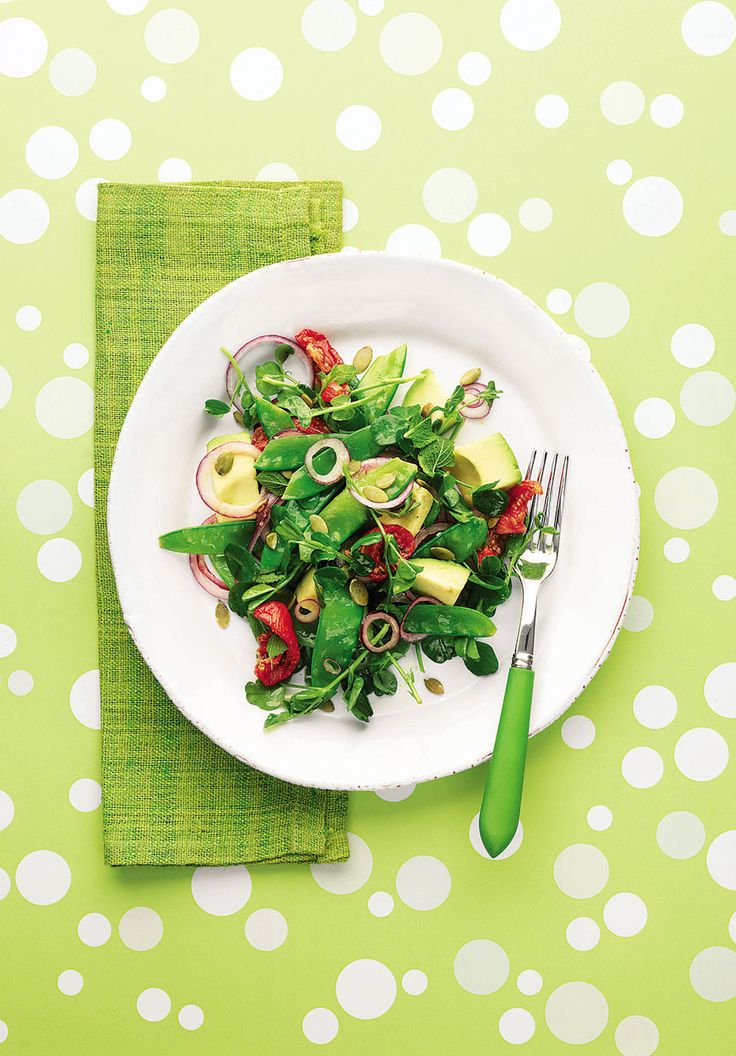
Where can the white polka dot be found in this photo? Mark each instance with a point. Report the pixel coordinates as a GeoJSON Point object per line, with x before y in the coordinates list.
{"type": "Point", "coordinates": [599, 818]}
{"type": "Point", "coordinates": [477, 842]}
{"type": "Point", "coordinates": [655, 707]}
{"type": "Point", "coordinates": [676, 550]}
{"type": "Point", "coordinates": [171, 36]}
{"type": "Point", "coordinates": [410, 43]}
{"type": "Point", "coordinates": [535, 214]}
{"type": "Point", "coordinates": [453, 109]}
{"type": "Point", "coordinates": [530, 25]}
{"type": "Point", "coordinates": [654, 417]}
{"type": "Point", "coordinates": [20, 683]}
{"type": "Point", "coordinates": [381, 904]}
{"type": "Point", "coordinates": [52, 152]}
{"type": "Point", "coordinates": [110, 139]}
{"type": "Point", "coordinates": [366, 989]}
{"type": "Point", "coordinates": [6, 387]}
{"type": "Point", "coordinates": [713, 974]}
{"type": "Point", "coordinates": [559, 301]}
{"type": "Point", "coordinates": [85, 795]}
{"type": "Point", "coordinates": [70, 982]}
{"type": "Point", "coordinates": [622, 103]}
{"type": "Point", "coordinates": [652, 206]}
{"type": "Point", "coordinates": [642, 767]}
{"type": "Point", "coordinates": [450, 195]}
{"type": "Point", "coordinates": [719, 689]}
{"type": "Point", "coordinates": [686, 497]}
{"type": "Point", "coordinates": [724, 588]}
{"type": "Point", "coordinates": [474, 68]}
{"type": "Point", "coordinates": [43, 877]}
{"type": "Point", "coordinates": [639, 615]}
{"type": "Point", "coordinates": [707, 398]}
{"type": "Point", "coordinates": [59, 560]}
{"type": "Point", "coordinates": [576, 1013]}
{"type": "Point", "coordinates": [489, 234]}
{"type": "Point", "coordinates": [581, 870]}
{"type": "Point", "coordinates": [65, 407]}
{"type": "Point", "coordinates": [140, 928]}
{"type": "Point", "coordinates": [680, 834]}
{"type": "Point", "coordinates": [619, 172]}
{"type": "Point", "coordinates": [84, 699]}
{"type": "Point", "coordinates": [8, 639]}
{"type": "Point", "coordinates": [583, 934]}
{"type": "Point", "coordinates": [86, 487]}
{"type": "Point", "coordinates": [174, 170]}
{"type": "Point", "coordinates": [127, 7]}
{"type": "Point", "coordinates": [423, 882]}
{"type": "Point", "coordinates": [24, 216]}
{"type": "Point", "coordinates": [417, 240]}
{"type": "Point", "coordinates": [371, 7]}
{"type": "Point", "coordinates": [602, 309]}
{"type": "Point", "coordinates": [28, 318]}
{"type": "Point", "coordinates": [358, 127]}
{"type": "Point", "coordinates": [578, 731]}
{"type": "Point", "coordinates": [551, 111]}
{"type": "Point", "coordinates": [23, 47]}
{"type": "Point", "coordinates": [727, 222]}
{"type": "Point", "coordinates": [666, 111]}
{"type": "Point", "coordinates": [529, 981]}
{"type": "Point", "coordinates": [701, 754]}
{"type": "Point", "coordinates": [693, 345]}
{"type": "Point", "coordinates": [153, 89]}
{"type": "Point", "coordinates": [320, 1026]}
{"type": "Point", "coordinates": [329, 25]}
{"type": "Point", "coordinates": [342, 878]}
{"type": "Point", "coordinates": [636, 1036]}
{"type": "Point", "coordinates": [153, 1004]}
{"type": "Point", "coordinates": [44, 507]}
{"type": "Point", "coordinates": [4, 889]}
{"type": "Point", "coordinates": [86, 198]}
{"type": "Point", "coordinates": [414, 982]}
{"type": "Point", "coordinates": [481, 966]}
{"type": "Point", "coordinates": [94, 929]}
{"type": "Point", "coordinates": [277, 171]}
{"type": "Point", "coordinates": [732, 927]}
{"type": "Point", "coordinates": [266, 929]}
{"type": "Point", "coordinates": [7, 810]}
{"type": "Point", "coordinates": [625, 914]}
{"type": "Point", "coordinates": [350, 215]}
{"type": "Point", "coordinates": [3, 1031]}
{"type": "Point", "coordinates": [516, 1026]}
{"type": "Point", "coordinates": [221, 890]}
{"type": "Point", "coordinates": [709, 28]}
{"type": "Point", "coordinates": [191, 1017]}
{"type": "Point", "coordinates": [256, 74]}
{"type": "Point", "coordinates": [76, 355]}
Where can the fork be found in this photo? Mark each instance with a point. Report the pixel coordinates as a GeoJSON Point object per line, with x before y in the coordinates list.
{"type": "Point", "coordinates": [499, 812]}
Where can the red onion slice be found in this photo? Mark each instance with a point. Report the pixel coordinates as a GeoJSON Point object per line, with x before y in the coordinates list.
{"type": "Point", "coordinates": [382, 617]}
{"type": "Point", "coordinates": [407, 635]}
{"type": "Point", "coordinates": [307, 610]}
{"type": "Point", "coordinates": [342, 456]}
{"type": "Point", "coordinates": [204, 480]}
{"type": "Point", "coordinates": [391, 504]}
{"type": "Point", "coordinates": [473, 389]}
{"type": "Point", "coordinates": [214, 586]}
{"type": "Point", "coordinates": [476, 410]}
{"type": "Point", "coordinates": [262, 519]}
{"type": "Point", "coordinates": [265, 346]}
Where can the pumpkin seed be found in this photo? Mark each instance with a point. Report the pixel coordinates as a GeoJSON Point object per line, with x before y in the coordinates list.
{"type": "Point", "coordinates": [288, 473]}
{"type": "Point", "coordinates": [434, 686]}
{"type": "Point", "coordinates": [307, 399]}
{"type": "Point", "coordinates": [318, 524]}
{"type": "Point", "coordinates": [272, 540]}
{"type": "Point", "coordinates": [386, 480]}
{"type": "Point", "coordinates": [470, 376]}
{"type": "Point", "coordinates": [327, 706]}
{"type": "Point", "coordinates": [427, 410]}
{"type": "Point", "coordinates": [442, 553]}
{"type": "Point", "coordinates": [222, 615]}
{"type": "Point", "coordinates": [374, 494]}
{"type": "Point", "coordinates": [331, 666]}
{"type": "Point", "coordinates": [224, 463]}
{"type": "Point", "coordinates": [237, 415]}
{"type": "Point", "coordinates": [353, 467]}
{"type": "Point", "coordinates": [362, 359]}
{"type": "Point", "coordinates": [358, 592]}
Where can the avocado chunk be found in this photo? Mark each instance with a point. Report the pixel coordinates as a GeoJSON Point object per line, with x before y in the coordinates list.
{"type": "Point", "coordinates": [238, 485]}
{"type": "Point", "coordinates": [414, 519]}
{"type": "Point", "coordinates": [426, 389]}
{"type": "Point", "coordinates": [306, 587]}
{"type": "Point", "coordinates": [229, 438]}
{"type": "Point", "coordinates": [443, 580]}
{"type": "Point", "coordinates": [487, 461]}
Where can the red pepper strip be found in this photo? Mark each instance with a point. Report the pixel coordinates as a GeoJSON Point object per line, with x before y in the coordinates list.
{"type": "Point", "coordinates": [316, 426]}
{"type": "Point", "coordinates": [493, 546]}
{"type": "Point", "coordinates": [273, 669]}
{"type": "Point", "coordinates": [405, 543]}
{"type": "Point", "coordinates": [324, 357]}
{"type": "Point", "coordinates": [513, 519]}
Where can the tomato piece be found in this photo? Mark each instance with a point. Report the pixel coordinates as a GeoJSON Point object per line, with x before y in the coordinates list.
{"type": "Point", "coordinates": [329, 392]}
{"type": "Point", "coordinates": [273, 669]}
{"type": "Point", "coordinates": [494, 546]}
{"type": "Point", "coordinates": [513, 519]}
{"type": "Point", "coordinates": [404, 542]}
{"type": "Point", "coordinates": [319, 350]}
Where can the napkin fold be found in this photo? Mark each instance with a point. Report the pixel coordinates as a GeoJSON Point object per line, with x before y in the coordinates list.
{"type": "Point", "coordinates": [169, 795]}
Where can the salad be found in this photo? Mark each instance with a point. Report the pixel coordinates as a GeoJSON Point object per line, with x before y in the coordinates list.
{"type": "Point", "coordinates": [349, 530]}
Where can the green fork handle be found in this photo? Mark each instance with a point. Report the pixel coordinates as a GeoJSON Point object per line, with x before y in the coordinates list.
{"type": "Point", "coordinates": [499, 812]}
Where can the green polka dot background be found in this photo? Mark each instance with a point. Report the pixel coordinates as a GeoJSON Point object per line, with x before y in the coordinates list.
{"type": "Point", "coordinates": [580, 151]}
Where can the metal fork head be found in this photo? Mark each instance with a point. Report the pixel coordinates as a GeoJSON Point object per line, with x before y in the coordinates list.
{"type": "Point", "coordinates": [540, 557]}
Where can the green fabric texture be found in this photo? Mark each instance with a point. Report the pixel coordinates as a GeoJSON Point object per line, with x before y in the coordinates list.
{"type": "Point", "coordinates": [170, 796]}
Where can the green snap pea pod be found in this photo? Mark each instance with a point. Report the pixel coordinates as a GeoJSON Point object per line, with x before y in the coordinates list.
{"type": "Point", "coordinates": [207, 538]}
{"type": "Point", "coordinates": [272, 418]}
{"type": "Point", "coordinates": [273, 560]}
{"type": "Point", "coordinates": [389, 366]}
{"type": "Point", "coordinates": [360, 445]}
{"type": "Point", "coordinates": [461, 539]}
{"type": "Point", "coordinates": [339, 625]}
{"type": "Point", "coordinates": [451, 620]}
{"type": "Point", "coordinates": [287, 452]}
{"type": "Point", "coordinates": [345, 515]}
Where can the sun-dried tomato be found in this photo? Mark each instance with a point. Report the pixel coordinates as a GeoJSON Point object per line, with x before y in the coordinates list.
{"type": "Point", "coordinates": [513, 519]}
{"type": "Point", "coordinates": [404, 543]}
{"type": "Point", "coordinates": [273, 669]}
{"type": "Point", "coordinates": [493, 546]}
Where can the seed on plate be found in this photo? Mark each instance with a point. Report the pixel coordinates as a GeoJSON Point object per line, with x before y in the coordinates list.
{"type": "Point", "coordinates": [224, 463]}
{"type": "Point", "coordinates": [327, 706]}
{"type": "Point", "coordinates": [307, 399]}
{"type": "Point", "coordinates": [237, 415]}
{"type": "Point", "coordinates": [386, 480]}
{"type": "Point", "coordinates": [470, 376]}
{"type": "Point", "coordinates": [358, 592]}
{"type": "Point", "coordinates": [434, 686]}
{"type": "Point", "coordinates": [318, 524]}
{"type": "Point", "coordinates": [331, 666]}
{"type": "Point", "coordinates": [363, 358]}
{"type": "Point", "coordinates": [374, 494]}
{"type": "Point", "coordinates": [222, 615]}
{"type": "Point", "coordinates": [427, 409]}
{"type": "Point", "coordinates": [442, 553]}
{"type": "Point", "coordinates": [272, 540]}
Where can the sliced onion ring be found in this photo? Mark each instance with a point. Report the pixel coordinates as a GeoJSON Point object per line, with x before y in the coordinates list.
{"type": "Point", "coordinates": [473, 389]}
{"type": "Point", "coordinates": [266, 344]}
{"type": "Point", "coordinates": [407, 635]}
{"type": "Point", "coordinates": [342, 456]}
{"type": "Point", "coordinates": [205, 470]}
{"type": "Point", "coordinates": [379, 617]}
{"type": "Point", "coordinates": [262, 519]}
{"type": "Point", "coordinates": [479, 410]}
{"type": "Point", "coordinates": [311, 605]}
{"type": "Point", "coordinates": [391, 504]}
{"type": "Point", "coordinates": [206, 579]}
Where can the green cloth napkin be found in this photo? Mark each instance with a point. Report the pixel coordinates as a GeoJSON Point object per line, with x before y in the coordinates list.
{"type": "Point", "coordinates": [170, 796]}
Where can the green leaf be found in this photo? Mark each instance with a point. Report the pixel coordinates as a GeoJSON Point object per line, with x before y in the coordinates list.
{"type": "Point", "coordinates": [385, 683]}
{"type": "Point", "coordinates": [403, 577]}
{"type": "Point", "coordinates": [437, 455]}
{"type": "Point", "coordinates": [490, 500]}
{"type": "Point", "coordinates": [388, 429]}
{"type": "Point", "coordinates": [241, 563]}
{"type": "Point", "coordinates": [216, 408]}
{"type": "Point", "coordinates": [276, 483]}
{"type": "Point", "coordinates": [270, 378]}
{"type": "Point", "coordinates": [276, 719]}
{"type": "Point", "coordinates": [281, 353]}
{"type": "Point", "coordinates": [487, 662]}
{"type": "Point", "coordinates": [275, 646]}
{"type": "Point", "coordinates": [421, 434]}
{"type": "Point", "coordinates": [439, 649]}
{"type": "Point", "coordinates": [340, 374]}
{"type": "Point", "coordinates": [265, 697]}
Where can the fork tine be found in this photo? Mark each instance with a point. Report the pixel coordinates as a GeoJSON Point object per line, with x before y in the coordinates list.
{"type": "Point", "coordinates": [530, 467]}
{"type": "Point", "coordinates": [537, 476]}
{"type": "Point", "coordinates": [549, 489]}
{"type": "Point", "coordinates": [560, 500]}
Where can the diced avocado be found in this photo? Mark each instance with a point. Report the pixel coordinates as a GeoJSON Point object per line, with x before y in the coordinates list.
{"type": "Point", "coordinates": [216, 441]}
{"type": "Point", "coordinates": [238, 486]}
{"type": "Point", "coordinates": [443, 580]}
{"type": "Point", "coordinates": [414, 519]}
{"type": "Point", "coordinates": [306, 587]}
{"type": "Point", "coordinates": [426, 389]}
{"type": "Point", "coordinates": [485, 462]}
{"type": "Point", "coordinates": [345, 515]}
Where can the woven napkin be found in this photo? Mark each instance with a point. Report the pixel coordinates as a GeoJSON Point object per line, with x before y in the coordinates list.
{"type": "Point", "coordinates": [170, 796]}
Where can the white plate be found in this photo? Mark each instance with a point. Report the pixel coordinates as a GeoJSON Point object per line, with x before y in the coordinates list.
{"type": "Point", "coordinates": [453, 318]}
